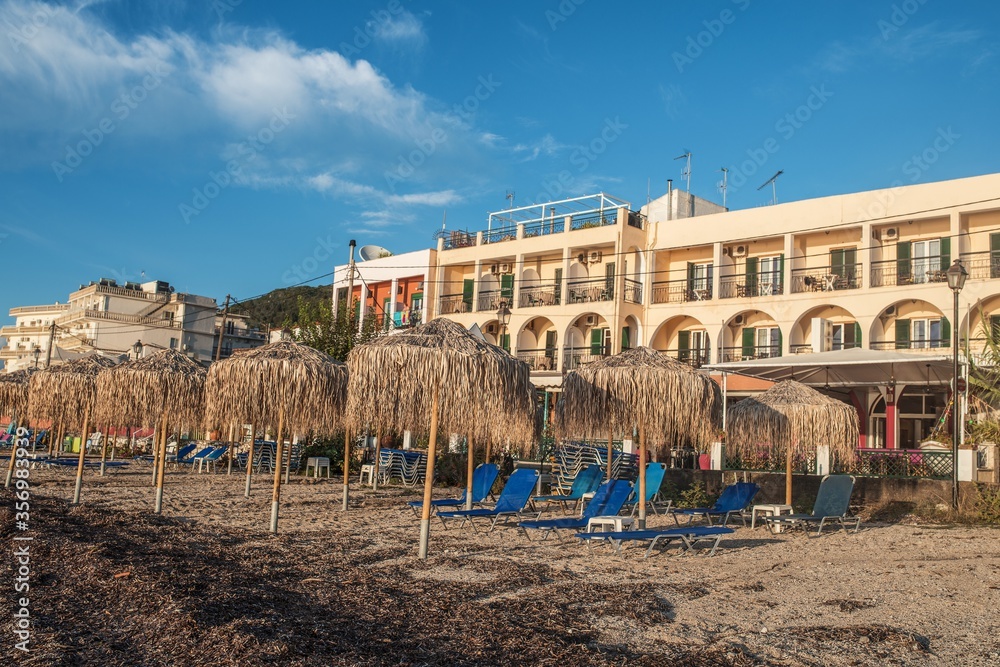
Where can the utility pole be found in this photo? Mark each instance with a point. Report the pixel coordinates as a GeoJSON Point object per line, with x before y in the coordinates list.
{"type": "Point", "coordinates": [52, 340]}
{"type": "Point", "coordinates": [350, 282]}
{"type": "Point", "coordinates": [222, 329]}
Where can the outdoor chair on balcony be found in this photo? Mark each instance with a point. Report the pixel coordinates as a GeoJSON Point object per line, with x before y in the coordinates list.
{"type": "Point", "coordinates": [832, 502]}
{"type": "Point", "coordinates": [734, 500]}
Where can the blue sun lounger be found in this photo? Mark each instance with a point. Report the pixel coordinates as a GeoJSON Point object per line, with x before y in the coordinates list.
{"type": "Point", "coordinates": [515, 495]}
{"type": "Point", "coordinates": [832, 502]}
{"type": "Point", "coordinates": [734, 499]}
{"type": "Point", "coordinates": [654, 480]}
{"type": "Point", "coordinates": [607, 501]}
{"type": "Point", "coordinates": [586, 481]}
{"type": "Point", "coordinates": [688, 535]}
{"type": "Point", "coordinates": [483, 478]}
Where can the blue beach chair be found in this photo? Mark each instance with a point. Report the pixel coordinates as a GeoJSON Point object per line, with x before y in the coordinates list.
{"type": "Point", "coordinates": [654, 480]}
{"type": "Point", "coordinates": [483, 478]}
{"type": "Point", "coordinates": [688, 535]}
{"type": "Point", "coordinates": [734, 499]}
{"type": "Point", "coordinates": [512, 501]}
{"type": "Point", "coordinates": [586, 481]}
{"type": "Point", "coordinates": [607, 501]}
{"type": "Point", "coordinates": [832, 502]}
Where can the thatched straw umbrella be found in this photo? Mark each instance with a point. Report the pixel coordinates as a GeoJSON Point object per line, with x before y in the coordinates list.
{"type": "Point", "coordinates": [14, 399]}
{"type": "Point", "coordinates": [666, 399]}
{"type": "Point", "coordinates": [150, 392]}
{"type": "Point", "coordinates": [67, 394]}
{"type": "Point", "coordinates": [791, 418]}
{"type": "Point", "coordinates": [299, 388]}
{"type": "Point", "coordinates": [439, 376]}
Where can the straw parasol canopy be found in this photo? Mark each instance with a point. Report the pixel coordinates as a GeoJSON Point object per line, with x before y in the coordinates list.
{"type": "Point", "coordinates": [790, 414]}
{"type": "Point", "coordinates": [670, 399]}
{"type": "Point", "coordinates": [14, 391]}
{"type": "Point", "coordinates": [253, 387]}
{"type": "Point", "coordinates": [141, 392]}
{"type": "Point", "coordinates": [67, 393]}
{"type": "Point", "coordinates": [790, 418]}
{"type": "Point", "coordinates": [483, 391]}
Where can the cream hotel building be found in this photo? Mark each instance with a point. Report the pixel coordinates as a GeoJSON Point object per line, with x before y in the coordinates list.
{"type": "Point", "coordinates": [587, 277]}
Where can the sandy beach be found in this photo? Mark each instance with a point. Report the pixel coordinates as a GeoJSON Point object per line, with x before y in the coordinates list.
{"type": "Point", "coordinates": [205, 584]}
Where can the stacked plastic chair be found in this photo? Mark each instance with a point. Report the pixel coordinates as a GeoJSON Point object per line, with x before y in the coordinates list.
{"type": "Point", "coordinates": [571, 458]}
{"type": "Point", "coordinates": [405, 465]}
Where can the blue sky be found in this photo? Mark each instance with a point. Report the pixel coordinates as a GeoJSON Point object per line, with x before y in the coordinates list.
{"type": "Point", "coordinates": [235, 146]}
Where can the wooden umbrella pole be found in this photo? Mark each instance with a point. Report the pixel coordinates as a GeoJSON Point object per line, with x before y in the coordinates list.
{"type": "Point", "coordinates": [83, 453]}
{"type": "Point", "coordinates": [158, 505]}
{"type": "Point", "coordinates": [232, 446]}
{"type": "Point", "coordinates": [469, 472]}
{"type": "Point", "coordinates": [58, 441]}
{"type": "Point", "coordinates": [611, 436]}
{"type": "Point", "coordinates": [489, 451]}
{"type": "Point", "coordinates": [788, 475]}
{"type": "Point", "coordinates": [642, 477]}
{"type": "Point", "coordinates": [104, 449]}
{"type": "Point", "coordinates": [425, 512]}
{"type": "Point", "coordinates": [157, 435]}
{"type": "Point", "coordinates": [347, 464]}
{"type": "Point", "coordinates": [276, 495]}
{"type": "Point", "coordinates": [378, 454]}
{"type": "Point", "coordinates": [10, 465]}
{"type": "Point", "coordinates": [253, 438]}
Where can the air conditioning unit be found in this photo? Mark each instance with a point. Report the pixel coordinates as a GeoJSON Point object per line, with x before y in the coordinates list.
{"type": "Point", "coordinates": [739, 251]}
{"type": "Point", "coordinates": [891, 234]}
{"type": "Point", "coordinates": [590, 320]}
{"type": "Point", "coordinates": [581, 258]}
{"type": "Point", "coordinates": [890, 311]}
{"type": "Point", "coordinates": [739, 320]}
{"type": "Point", "coordinates": [495, 269]}
{"type": "Point", "coordinates": [506, 268]}
{"type": "Point", "coordinates": [491, 328]}
{"type": "Point", "coordinates": [595, 256]}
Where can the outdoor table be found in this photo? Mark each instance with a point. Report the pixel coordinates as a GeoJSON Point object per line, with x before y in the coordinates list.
{"type": "Point", "coordinates": [317, 463]}
{"type": "Point", "coordinates": [770, 510]}
{"type": "Point", "coordinates": [616, 523]}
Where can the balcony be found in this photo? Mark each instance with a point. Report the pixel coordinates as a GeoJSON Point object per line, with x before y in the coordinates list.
{"type": "Point", "coordinates": [917, 271]}
{"type": "Point", "coordinates": [980, 265]}
{"type": "Point", "coordinates": [499, 235]}
{"type": "Point", "coordinates": [578, 357]}
{"type": "Point", "coordinates": [927, 344]}
{"type": "Point", "coordinates": [682, 291]}
{"type": "Point", "coordinates": [452, 304]}
{"type": "Point", "coordinates": [748, 353]}
{"type": "Point", "coordinates": [539, 295]}
{"type": "Point", "coordinates": [28, 310]}
{"type": "Point", "coordinates": [544, 227]}
{"type": "Point", "coordinates": [583, 291]}
{"type": "Point", "coordinates": [490, 301]}
{"type": "Point", "coordinates": [633, 291]}
{"type": "Point", "coordinates": [826, 279]}
{"type": "Point", "coordinates": [695, 358]}
{"type": "Point", "coordinates": [592, 220]}
{"type": "Point", "coordinates": [539, 360]}
{"type": "Point", "coordinates": [459, 239]}
{"type": "Point", "coordinates": [749, 285]}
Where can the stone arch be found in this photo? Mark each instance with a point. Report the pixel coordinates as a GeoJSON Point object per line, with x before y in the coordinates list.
{"type": "Point", "coordinates": [800, 337]}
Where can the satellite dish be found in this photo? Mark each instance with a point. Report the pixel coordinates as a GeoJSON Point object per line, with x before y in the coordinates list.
{"type": "Point", "coordinates": [372, 252]}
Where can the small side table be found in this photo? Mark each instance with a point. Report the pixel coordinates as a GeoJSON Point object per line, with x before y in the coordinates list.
{"type": "Point", "coordinates": [317, 463]}
{"type": "Point", "coordinates": [616, 523]}
{"type": "Point", "coordinates": [769, 510]}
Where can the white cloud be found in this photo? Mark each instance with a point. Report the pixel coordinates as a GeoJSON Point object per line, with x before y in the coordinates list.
{"type": "Point", "coordinates": [405, 27]}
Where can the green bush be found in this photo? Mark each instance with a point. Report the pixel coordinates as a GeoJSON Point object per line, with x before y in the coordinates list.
{"type": "Point", "coordinates": [696, 496]}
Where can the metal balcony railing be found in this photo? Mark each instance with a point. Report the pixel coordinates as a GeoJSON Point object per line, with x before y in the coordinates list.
{"type": "Point", "coordinates": [539, 295]}
{"type": "Point", "coordinates": [924, 344]}
{"type": "Point", "coordinates": [747, 353]}
{"type": "Point", "coordinates": [490, 301]}
{"type": "Point", "coordinates": [593, 220]}
{"type": "Point", "coordinates": [916, 271]}
{"type": "Point", "coordinates": [695, 358]}
{"type": "Point", "coordinates": [826, 279]}
{"type": "Point", "coordinates": [540, 359]}
{"type": "Point", "coordinates": [980, 265]}
{"type": "Point", "coordinates": [499, 235]}
{"type": "Point", "coordinates": [633, 291]}
{"type": "Point", "coordinates": [602, 289]}
{"type": "Point", "coordinates": [681, 291]}
{"type": "Point", "coordinates": [455, 303]}
{"type": "Point", "coordinates": [749, 285]}
{"type": "Point", "coordinates": [577, 357]}
{"type": "Point", "coordinates": [459, 239]}
{"type": "Point", "coordinates": [545, 227]}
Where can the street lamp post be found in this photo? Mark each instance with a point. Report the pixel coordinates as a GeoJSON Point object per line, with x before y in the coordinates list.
{"type": "Point", "coordinates": [137, 348]}
{"type": "Point", "coordinates": [956, 281]}
{"type": "Point", "coordinates": [36, 353]}
{"type": "Point", "coordinates": [503, 314]}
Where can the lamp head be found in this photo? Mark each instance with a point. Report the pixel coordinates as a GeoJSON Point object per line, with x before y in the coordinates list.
{"type": "Point", "coordinates": [503, 313]}
{"type": "Point", "coordinates": [956, 274]}
{"type": "Point", "coordinates": [137, 348]}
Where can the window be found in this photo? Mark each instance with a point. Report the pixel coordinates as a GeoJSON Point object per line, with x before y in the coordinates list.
{"type": "Point", "coordinates": [926, 333]}
{"type": "Point", "coordinates": [692, 346]}
{"type": "Point", "coordinates": [768, 342]}
{"type": "Point", "coordinates": [846, 336]}
{"type": "Point", "coordinates": [173, 343]}
{"type": "Point", "coordinates": [770, 275]}
{"type": "Point", "coordinates": [699, 281]}
{"type": "Point", "coordinates": [926, 259]}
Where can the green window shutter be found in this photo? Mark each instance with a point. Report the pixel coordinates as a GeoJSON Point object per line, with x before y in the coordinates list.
{"type": "Point", "coordinates": [904, 270]}
{"type": "Point", "coordinates": [683, 345]}
{"type": "Point", "coordinates": [468, 287]}
{"type": "Point", "coordinates": [851, 267]}
{"type": "Point", "coordinates": [780, 289]}
{"type": "Point", "coordinates": [945, 333]}
{"type": "Point", "coordinates": [609, 272]}
{"type": "Point", "coordinates": [945, 252]}
{"type": "Point", "coordinates": [749, 334]}
{"type": "Point", "coordinates": [857, 335]}
{"type": "Point", "coordinates": [690, 276]}
{"type": "Point", "coordinates": [507, 288]}
{"type": "Point", "coordinates": [505, 342]}
{"type": "Point", "coordinates": [902, 334]}
{"type": "Point", "coordinates": [626, 343]}
{"type": "Point", "coordinates": [550, 343]}
{"type": "Point", "coordinates": [596, 341]}
{"type": "Point", "coordinates": [751, 277]}
{"type": "Point", "coordinates": [995, 255]}
{"type": "Point", "coordinates": [837, 262]}
{"type": "Point", "coordinates": [559, 274]}
{"type": "Point", "coordinates": [781, 345]}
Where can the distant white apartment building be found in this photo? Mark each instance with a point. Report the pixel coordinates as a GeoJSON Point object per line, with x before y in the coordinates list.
{"type": "Point", "coordinates": [111, 318]}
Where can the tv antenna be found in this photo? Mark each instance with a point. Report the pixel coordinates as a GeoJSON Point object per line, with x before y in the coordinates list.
{"type": "Point", "coordinates": [686, 171]}
{"type": "Point", "coordinates": [774, 189]}
{"type": "Point", "coordinates": [724, 185]}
